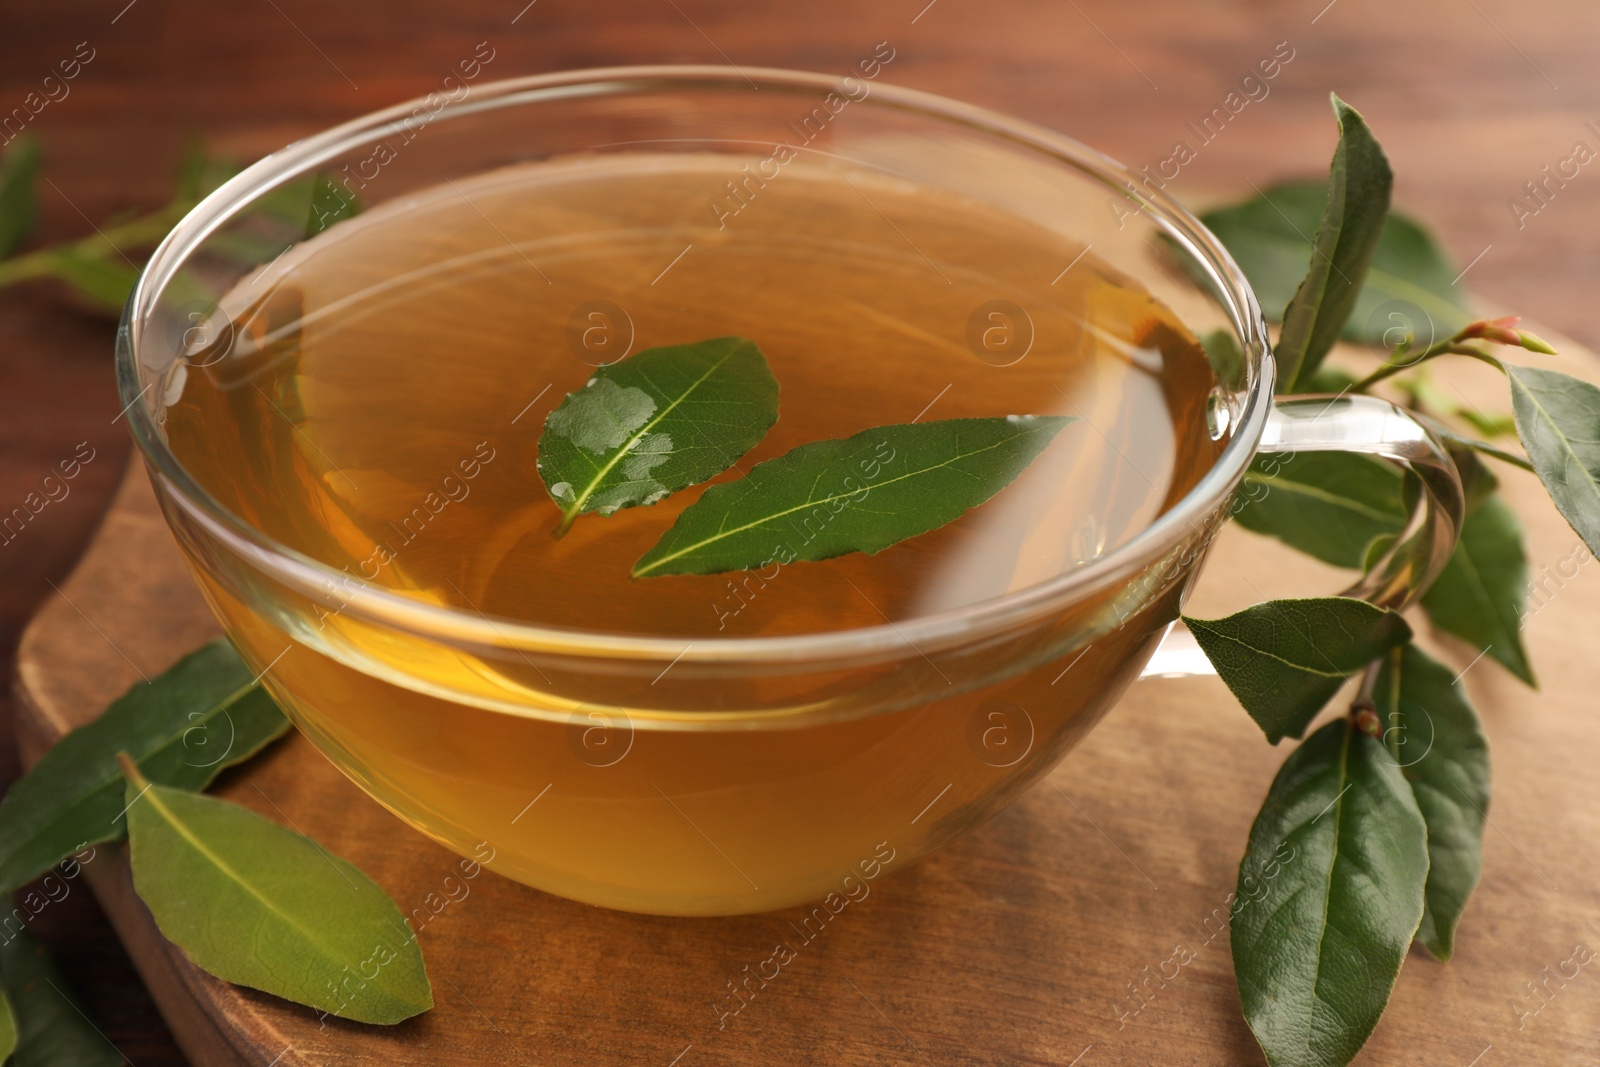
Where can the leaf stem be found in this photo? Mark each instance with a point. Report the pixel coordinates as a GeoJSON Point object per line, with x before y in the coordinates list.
{"type": "Point", "coordinates": [111, 240]}
{"type": "Point", "coordinates": [21, 268]}
{"type": "Point", "coordinates": [1363, 709]}
{"type": "Point", "coordinates": [1404, 361]}
{"type": "Point", "coordinates": [1501, 454]}
{"type": "Point", "coordinates": [130, 770]}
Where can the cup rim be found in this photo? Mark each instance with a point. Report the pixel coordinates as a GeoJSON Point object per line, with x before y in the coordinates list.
{"type": "Point", "coordinates": [924, 632]}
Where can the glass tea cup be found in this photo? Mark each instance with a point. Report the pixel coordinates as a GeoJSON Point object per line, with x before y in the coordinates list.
{"type": "Point", "coordinates": [723, 774]}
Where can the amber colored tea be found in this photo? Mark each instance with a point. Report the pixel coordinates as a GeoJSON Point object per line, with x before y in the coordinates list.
{"type": "Point", "coordinates": [377, 405]}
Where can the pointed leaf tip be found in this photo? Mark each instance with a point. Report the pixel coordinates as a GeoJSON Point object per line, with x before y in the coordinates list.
{"type": "Point", "coordinates": [807, 503]}
{"type": "Point", "coordinates": [1480, 594]}
{"type": "Point", "coordinates": [1360, 183]}
{"type": "Point", "coordinates": [1330, 893]}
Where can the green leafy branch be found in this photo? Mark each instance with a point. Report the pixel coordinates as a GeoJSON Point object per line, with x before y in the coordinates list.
{"type": "Point", "coordinates": [95, 266]}
{"type": "Point", "coordinates": [101, 268]}
{"type": "Point", "coordinates": [309, 926]}
{"type": "Point", "coordinates": [1386, 804]}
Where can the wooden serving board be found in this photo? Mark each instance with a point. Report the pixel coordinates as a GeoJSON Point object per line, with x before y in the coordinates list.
{"type": "Point", "coordinates": [1022, 943]}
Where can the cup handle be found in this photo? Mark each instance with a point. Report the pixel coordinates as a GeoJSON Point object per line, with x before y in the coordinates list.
{"type": "Point", "coordinates": [1372, 427]}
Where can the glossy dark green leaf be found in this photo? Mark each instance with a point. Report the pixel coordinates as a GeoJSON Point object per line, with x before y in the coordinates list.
{"type": "Point", "coordinates": [52, 1028]}
{"type": "Point", "coordinates": [1269, 236]}
{"type": "Point", "coordinates": [654, 423]}
{"type": "Point", "coordinates": [182, 728]}
{"type": "Point", "coordinates": [104, 281]}
{"type": "Point", "coordinates": [1480, 594]}
{"type": "Point", "coordinates": [19, 195]}
{"type": "Point", "coordinates": [1435, 735]}
{"type": "Point", "coordinates": [1317, 948]}
{"type": "Point", "coordinates": [1410, 285]}
{"type": "Point", "coordinates": [856, 494]}
{"type": "Point", "coordinates": [1331, 505]}
{"type": "Point", "coordinates": [1376, 551]}
{"type": "Point", "coordinates": [1284, 659]}
{"type": "Point", "coordinates": [1558, 419]}
{"type": "Point", "coordinates": [262, 906]}
{"type": "Point", "coordinates": [1359, 183]}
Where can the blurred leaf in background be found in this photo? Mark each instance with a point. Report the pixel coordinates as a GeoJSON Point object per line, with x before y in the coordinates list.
{"type": "Point", "coordinates": [101, 269]}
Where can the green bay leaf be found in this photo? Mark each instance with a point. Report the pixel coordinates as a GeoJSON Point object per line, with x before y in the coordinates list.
{"type": "Point", "coordinates": [853, 494]}
{"type": "Point", "coordinates": [649, 425]}
{"type": "Point", "coordinates": [1435, 735]}
{"type": "Point", "coordinates": [1359, 184]}
{"type": "Point", "coordinates": [1558, 419]}
{"type": "Point", "coordinates": [1284, 659]}
{"type": "Point", "coordinates": [51, 1027]}
{"type": "Point", "coordinates": [101, 280]}
{"type": "Point", "coordinates": [1269, 237]}
{"type": "Point", "coordinates": [19, 184]}
{"type": "Point", "coordinates": [1317, 947]}
{"type": "Point", "coordinates": [262, 906]}
{"type": "Point", "coordinates": [1330, 505]}
{"type": "Point", "coordinates": [183, 727]}
{"type": "Point", "coordinates": [1480, 594]}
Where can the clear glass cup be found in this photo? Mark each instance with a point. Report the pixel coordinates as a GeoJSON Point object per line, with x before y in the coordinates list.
{"type": "Point", "coordinates": [725, 774]}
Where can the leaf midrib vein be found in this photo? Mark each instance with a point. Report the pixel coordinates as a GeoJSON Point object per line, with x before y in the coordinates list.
{"type": "Point", "coordinates": [811, 503]}
{"type": "Point", "coordinates": [650, 424]}
{"type": "Point", "coordinates": [227, 869]}
{"type": "Point", "coordinates": [1271, 655]}
{"type": "Point", "coordinates": [1327, 889]}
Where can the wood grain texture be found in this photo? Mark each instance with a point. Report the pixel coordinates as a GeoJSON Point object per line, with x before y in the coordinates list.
{"type": "Point", "coordinates": [1470, 100]}
{"type": "Point", "coordinates": [1021, 943]}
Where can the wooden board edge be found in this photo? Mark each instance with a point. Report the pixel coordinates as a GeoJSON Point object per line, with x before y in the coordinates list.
{"type": "Point", "coordinates": [179, 988]}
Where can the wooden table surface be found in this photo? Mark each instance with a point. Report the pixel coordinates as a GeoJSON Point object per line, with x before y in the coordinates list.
{"type": "Point", "coordinates": [1472, 98]}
